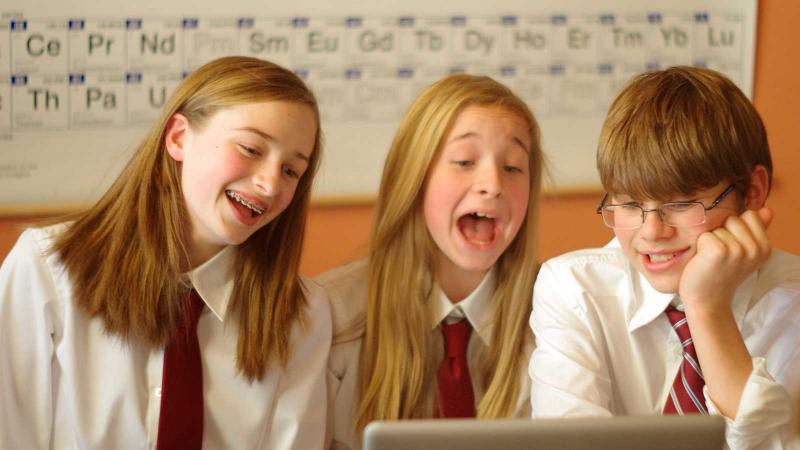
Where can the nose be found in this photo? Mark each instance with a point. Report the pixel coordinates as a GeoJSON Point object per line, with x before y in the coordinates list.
{"type": "Point", "coordinates": [267, 178]}
{"type": "Point", "coordinates": [653, 228]}
{"type": "Point", "coordinates": [489, 181]}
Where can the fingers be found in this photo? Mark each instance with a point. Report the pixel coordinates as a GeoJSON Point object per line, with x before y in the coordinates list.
{"type": "Point", "coordinates": [745, 235]}
{"type": "Point", "coordinates": [714, 244]}
{"type": "Point", "coordinates": [727, 254]}
{"type": "Point", "coordinates": [766, 215]}
{"type": "Point", "coordinates": [727, 244]}
{"type": "Point", "coordinates": [758, 222]}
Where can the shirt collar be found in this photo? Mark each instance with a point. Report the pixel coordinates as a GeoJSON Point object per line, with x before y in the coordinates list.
{"type": "Point", "coordinates": [213, 281]}
{"type": "Point", "coordinates": [476, 307]}
{"type": "Point", "coordinates": [645, 302]}
{"type": "Point", "coordinates": [648, 303]}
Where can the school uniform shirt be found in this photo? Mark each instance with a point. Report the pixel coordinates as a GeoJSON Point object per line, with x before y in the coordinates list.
{"type": "Point", "coordinates": [66, 384]}
{"type": "Point", "coordinates": [605, 346]}
{"type": "Point", "coordinates": [346, 287]}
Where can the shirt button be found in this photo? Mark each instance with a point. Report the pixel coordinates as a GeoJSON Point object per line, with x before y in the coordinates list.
{"type": "Point", "coordinates": [157, 392]}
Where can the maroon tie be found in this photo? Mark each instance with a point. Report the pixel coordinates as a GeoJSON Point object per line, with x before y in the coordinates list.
{"type": "Point", "coordinates": [686, 395]}
{"type": "Point", "coordinates": [456, 398]}
{"type": "Point", "coordinates": [180, 423]}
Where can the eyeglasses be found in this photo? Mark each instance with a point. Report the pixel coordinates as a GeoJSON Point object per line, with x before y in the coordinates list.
{"type": "Point", "coordinates": [675, 214]}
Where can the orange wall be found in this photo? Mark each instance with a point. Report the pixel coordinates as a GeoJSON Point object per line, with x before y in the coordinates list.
{"type": "Point", "coordinates": [337, 234]}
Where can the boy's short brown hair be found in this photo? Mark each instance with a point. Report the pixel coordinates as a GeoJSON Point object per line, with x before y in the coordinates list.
{"type": "Point", "coordinates": [678, 131]}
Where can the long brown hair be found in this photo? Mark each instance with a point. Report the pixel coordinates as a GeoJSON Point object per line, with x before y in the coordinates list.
{"type": "Point", "coordinates": [125, 254]}
{"type": "Point", "coordinates": [396, 374]}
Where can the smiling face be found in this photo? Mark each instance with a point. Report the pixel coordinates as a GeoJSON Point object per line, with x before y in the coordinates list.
{"type": "Point", "coordinates": [660, 252]}
{"type": "Point", "coordinates": [240, 170]}
{"type": "Point", "coordinates": [477, 190]}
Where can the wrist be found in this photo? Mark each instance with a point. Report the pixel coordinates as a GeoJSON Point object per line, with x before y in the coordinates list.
{"type": "Point", "coordinates": [708, 310]}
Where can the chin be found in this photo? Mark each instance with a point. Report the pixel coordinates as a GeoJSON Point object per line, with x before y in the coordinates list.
{"type": "Point", "coordinates": [236, 238]}
{"type": "Point", "coordinates": [476, 265]}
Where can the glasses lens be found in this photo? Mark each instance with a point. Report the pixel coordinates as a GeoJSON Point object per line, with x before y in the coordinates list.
{"type": "Point", "coordinates": [622, 216]}
{"type": "Point", "coordinates": [683, 214]}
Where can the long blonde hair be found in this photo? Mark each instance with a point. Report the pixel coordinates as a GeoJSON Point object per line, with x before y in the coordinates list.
{"type": "Point", "coordinates": [125, 254]}
{"type": "Point", "coordinates": [396, 375]}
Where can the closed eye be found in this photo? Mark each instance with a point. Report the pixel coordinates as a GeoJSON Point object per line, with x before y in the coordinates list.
{"type": "Point", "coordinates": [290, 172]}
{"type": "Point", "coordinates": [628, 204]}
{"type": "Point", "coordinates": [513, 169]}
{"type": "Point", "coordinates": [249, 150]}
{"type": "Point", "coordinates": [462, 163]}
{"type": "Point", "coordinates": [679, 206]}
{"type": "Point", "coordinates": [624, 206]}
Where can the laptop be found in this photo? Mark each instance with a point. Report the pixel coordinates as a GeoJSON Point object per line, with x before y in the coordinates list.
{"type": "Point", "coordinates": [693, 432]}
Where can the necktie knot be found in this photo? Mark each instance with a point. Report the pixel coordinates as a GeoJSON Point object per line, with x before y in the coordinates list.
{"type": "Point", "coordinates": [456, 338]}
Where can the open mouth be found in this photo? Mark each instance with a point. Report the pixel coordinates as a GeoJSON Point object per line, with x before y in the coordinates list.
{"type": "Point", "coordinates": [478, 228]}
{"type": "Point", "coordinates": [254, 210]}
{"type": "Point", "coordinates": [661, 258]}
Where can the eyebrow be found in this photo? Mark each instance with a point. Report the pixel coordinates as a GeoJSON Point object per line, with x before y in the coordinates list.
{"type": "Point", "coordinates": [268, 137]}
{"type": "Point", "coordinates": [470, 134]}
{"type": "Point", "coordinates": [522, 144]}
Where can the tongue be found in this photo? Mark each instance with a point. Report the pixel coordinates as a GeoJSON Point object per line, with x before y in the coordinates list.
{"type": "Point", "coordinates": [244, 210]}
{"type": "Point", "coordinates": [477, 229]}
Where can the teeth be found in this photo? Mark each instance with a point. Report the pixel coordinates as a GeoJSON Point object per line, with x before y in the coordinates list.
{"type": "Point", "coordinates": [660, 258]}
{"type": "Point", "coordinates": [244, 202]}
{"type": "Point", "coordinates": [481, 215]}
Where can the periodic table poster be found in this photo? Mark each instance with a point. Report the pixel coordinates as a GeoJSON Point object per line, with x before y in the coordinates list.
{"type": "Point", "coordinates": [81, 81]}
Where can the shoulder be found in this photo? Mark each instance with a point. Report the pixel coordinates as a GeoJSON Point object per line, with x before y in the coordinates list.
{"type": "Point", "coordinates": [585, 270]}
{"type": "Point", "coordinates": [312, 334]}
{"type": "Point", "coordinates": [344, 279]}
{"type": "Point", "coordinates": [32, 280]}
{"type": "Point", "coordinates": [318, 306]}
{"type": "Point", "coordinates": [346, 287]}
{"type": "Point", "coordinates": [34, 245]}
{"type": "Point", "coordinates": [780, 271]}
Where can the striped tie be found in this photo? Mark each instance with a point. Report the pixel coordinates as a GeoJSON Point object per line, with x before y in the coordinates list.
{"type": "Point", "coordinates": [686, 395]}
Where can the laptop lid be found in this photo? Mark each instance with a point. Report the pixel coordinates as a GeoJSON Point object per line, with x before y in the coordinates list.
{"type": "Point", "coordinates": [618, 433]}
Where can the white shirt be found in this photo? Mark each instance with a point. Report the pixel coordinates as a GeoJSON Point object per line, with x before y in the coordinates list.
{"type": "Point", "coordinates": [605, 346]}
{"type": "Point", "coordinates": [346, 287]}
{"type": "Point", "coordinates": [64, 383]}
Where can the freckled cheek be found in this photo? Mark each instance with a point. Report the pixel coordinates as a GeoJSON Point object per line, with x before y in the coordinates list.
{"type": "Point", "coordinates": [232, 163]}
{"type": "Point", "coordinates": [227, 171]}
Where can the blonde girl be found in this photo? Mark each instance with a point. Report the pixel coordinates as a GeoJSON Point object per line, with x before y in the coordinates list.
{"type": "Point", "coordinates": [209, 217]}
{"type": "Point", "coordinates": [453, 241]}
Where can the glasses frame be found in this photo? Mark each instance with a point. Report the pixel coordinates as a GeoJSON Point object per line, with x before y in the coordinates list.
{"type": "Point", "coordinates": [713, 205]}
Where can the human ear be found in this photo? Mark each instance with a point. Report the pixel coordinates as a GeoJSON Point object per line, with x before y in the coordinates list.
{"type": "Point", "coordinates": [758, 190]}
{"type": "Point", "coordinates": [175, 136]}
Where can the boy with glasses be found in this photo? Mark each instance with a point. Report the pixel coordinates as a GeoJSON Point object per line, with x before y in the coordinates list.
{"type": "Point", "coordinates": [688, 310]}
